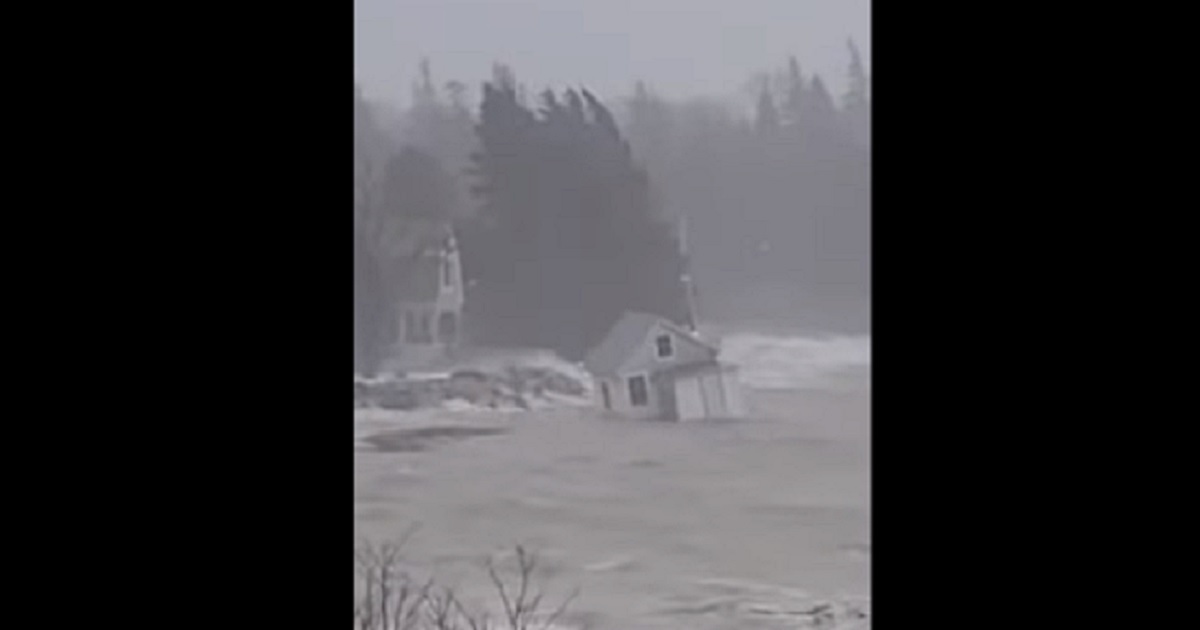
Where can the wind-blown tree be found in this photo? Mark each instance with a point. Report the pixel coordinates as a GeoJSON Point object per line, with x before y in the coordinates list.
{"type": "Point", "coordinates": [439, 123]}
{"type": "Point", "coordinates": [493, 258]}
{"type": "Point", "coordinates": [776, 193]}
{"type": "Point", "coordinates": [567, 236]}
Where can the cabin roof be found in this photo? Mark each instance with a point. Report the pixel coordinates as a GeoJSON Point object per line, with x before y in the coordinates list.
{"type": "Point", "coordinates": [623, 339]}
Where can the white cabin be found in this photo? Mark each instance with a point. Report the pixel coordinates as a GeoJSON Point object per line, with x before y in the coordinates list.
{"type": "Point", "coordinates": [649, 368]}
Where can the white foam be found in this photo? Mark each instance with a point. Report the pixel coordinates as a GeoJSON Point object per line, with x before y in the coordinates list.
{"type": "Point", "coordinates": [785, 362]}
{"type": "Point", "coordinates": [618, 563]}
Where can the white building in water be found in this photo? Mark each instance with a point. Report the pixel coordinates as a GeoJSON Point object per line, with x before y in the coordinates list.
{"type": "Point", "coordinates": [647, 367]}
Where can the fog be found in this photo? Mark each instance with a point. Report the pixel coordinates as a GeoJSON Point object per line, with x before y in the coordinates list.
{"type": "Point", "coordinates": [683, 47]}
{"type": "Point", "coordinates": [682, 188]}
{"type": "Point", "coordinates": [747, 169]}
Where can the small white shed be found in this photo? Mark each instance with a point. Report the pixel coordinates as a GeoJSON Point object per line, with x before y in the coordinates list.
{"type": "Point", "coordinates": [647, 367]}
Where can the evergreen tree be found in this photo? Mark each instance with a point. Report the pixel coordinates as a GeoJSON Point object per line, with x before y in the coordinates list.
{"type": "Point", "coordinates": [423, 93]}
{"type": "Point", "coordinates": [822, 112]}
{"type": "Point", "coordinates": [567, 237]}
{"type": "Point", "coordinates": [796, 95]}
{"type": "Point", "coordinates": [766, 120]}
{"type": "Point", "coordinates": [416, 188]}
{"type": "Point", "coordinates": [856, 93]}
{"type": "Point", "coordinates": [443, 128]}
{"type": "Point", "coordinates": [856, 108]}
{"type": "Point", "coordinates": [770, 215]}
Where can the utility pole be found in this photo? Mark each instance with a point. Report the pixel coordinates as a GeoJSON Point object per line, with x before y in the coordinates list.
{"type": "Point", "coordinates": [689, 286]}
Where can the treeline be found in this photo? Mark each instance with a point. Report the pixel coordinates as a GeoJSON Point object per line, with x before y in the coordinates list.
{"type": "Point", "coordinates": [776, 192]}
{"type": "Point", "coordinates": [566, 209]}
{"type": "Point", "coordinates": [566, 236]}
{"type": "Point", "coordinates": [557, 229]}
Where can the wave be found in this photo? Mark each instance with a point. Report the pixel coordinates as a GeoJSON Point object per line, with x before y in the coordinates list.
{"type": "Point", "coordinates": [775, 361]}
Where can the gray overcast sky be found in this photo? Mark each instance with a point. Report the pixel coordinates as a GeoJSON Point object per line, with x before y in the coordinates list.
{"type": "Point", "coordinates": [681, 47]}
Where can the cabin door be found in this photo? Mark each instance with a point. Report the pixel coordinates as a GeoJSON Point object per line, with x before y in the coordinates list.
{"type": "Point", "coordinates": [714, 395]}
{"type": "Point", "coordinates": [666, 397]}
{"type": "Point", "coordinates": [689, 399]}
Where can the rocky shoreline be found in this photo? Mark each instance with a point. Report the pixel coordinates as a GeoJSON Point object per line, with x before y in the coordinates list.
{"type": "Point", "coordinates": [519, 387]}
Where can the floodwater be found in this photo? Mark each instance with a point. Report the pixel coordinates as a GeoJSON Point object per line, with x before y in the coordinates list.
{"type": "Point", "coordinates": [693, 526]}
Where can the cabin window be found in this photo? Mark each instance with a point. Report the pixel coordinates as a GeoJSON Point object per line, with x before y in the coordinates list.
{"type": "Point", "coordinates": [639, 395]}
{"type": "Point", "coordinates": [663, 344]}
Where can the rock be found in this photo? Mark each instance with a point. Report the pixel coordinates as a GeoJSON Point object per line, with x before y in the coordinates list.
{"type": "Point", "coordinates": [397, 399]}
{"type": "Point", "coordinates": [430, 395]}
{"type": "Point", "coordinates": [511, 386]}
{"type": "Point", "coordinates": [464, 376]}
{"type": "Point", "coordinates": [563, 384]}
{"type": "Point", "coordinates": [469, 385]}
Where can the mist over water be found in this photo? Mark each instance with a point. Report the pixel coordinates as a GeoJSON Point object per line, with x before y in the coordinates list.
{"type": "Point", "coordinates": [693, 526]}
{"type": "Point", "coordinates": [774, 361]}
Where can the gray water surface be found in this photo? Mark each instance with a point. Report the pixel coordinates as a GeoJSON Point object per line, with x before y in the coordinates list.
{"type": "Point", "coordinates": [736, 524]}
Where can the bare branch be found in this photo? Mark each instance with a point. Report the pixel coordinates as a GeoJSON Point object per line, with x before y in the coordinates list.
{"type": "Point", "coordinates": [392, 600]}
{"type": "Point", "coordinates": [408, 534]}
{"type": "Point", "coordinates": [562, 608]}
{"type": "Point", "coordinates": [499, 584]}
{"type": "Point", "coordinates": [525, 566]}
{"type": "Point", "coordinates": [480, 623]}
{"type": "Point", "coordinates": [439, 610]}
